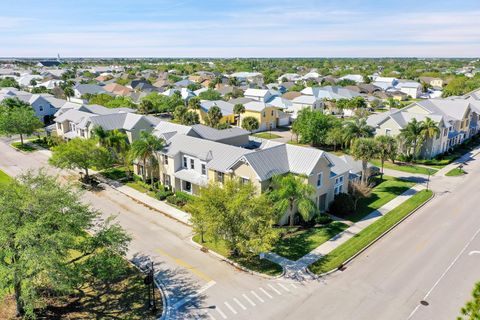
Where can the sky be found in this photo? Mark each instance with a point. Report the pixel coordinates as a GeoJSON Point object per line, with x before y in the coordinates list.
{"type": "Point", "coordinates": [240, 28]}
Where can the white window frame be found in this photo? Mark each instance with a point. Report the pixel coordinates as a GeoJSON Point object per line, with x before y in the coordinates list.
{"type": "Point", "coordinates": [320, 179]}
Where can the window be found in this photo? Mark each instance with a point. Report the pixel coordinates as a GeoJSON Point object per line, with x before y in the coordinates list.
{"type": "Point", "coordinates": [244, 180]}
{"type": "Point", "coordinates": [388, 132]}
{"type": "Point", "coordinates": [40, 108]}
{"type": "Point", "coordinates": [319, 179]}
{"type": "Point", "coordinates": [338, 190]}
{"type": "Point", "coordinates": [166, 180]}
{"type": "Point", "coordinates": [264, 114]}
{"type": "Point", "coordinates": [185, 162]}
{"type": "Point", "coordinates": [204, 169]}
{"type": "Point", "coordinates": [165, 159]}
{"type": "Point", "coordinates": [272, 113]}
{"type": "Point", "coordinates": [59, 126]}
{"type": "Point", "coordinates": [192, 164]}
{"type": "Point", "coordinates": [220, 177]}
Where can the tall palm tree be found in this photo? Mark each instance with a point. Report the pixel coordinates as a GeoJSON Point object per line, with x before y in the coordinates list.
{"type": "Point", "coordinates": [68, 91]}
{"type": "Point", "coordinates": [194, 103]}
{"type": "Point", "coordinates": [430, 130]}
{"type": "Point", "coordinates": [237, 110]}
{"type": "Point", "coordinates": [364, 149]}
{"type": "Point", "coordinates": [116, 141]}
{"type": "Point", "coordinates": [357, 129]}
{"type": "Point", "coordinates": [146, 149]}
{"type": "Point", "coordinates": [214, 115]}
{"type": "Point", "coordinates": [387, 148]}
{"type": "Point", "coordinates": [411, 136]}
{"type": "Point", "coordinates": [101, 135]}
{"type": "Point", "coordinates": [392, 103]}
{"type": "Point", "coordinates": [290, 190]}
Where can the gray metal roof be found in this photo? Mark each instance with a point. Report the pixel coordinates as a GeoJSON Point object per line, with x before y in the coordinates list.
{"type": "Point", "coordinates": [213, 134]}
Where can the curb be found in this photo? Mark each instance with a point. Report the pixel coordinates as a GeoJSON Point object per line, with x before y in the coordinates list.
{"type": "Point", "coordinates": [318, 276]}
{"type": "Point", "coordinates": [233, 263]}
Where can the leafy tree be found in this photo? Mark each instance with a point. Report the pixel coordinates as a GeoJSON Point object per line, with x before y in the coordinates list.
{"type": "Point", "coordinates": [290, 191]}
{"type": "Point", "coordinates": [9, 82]}
{"type": "Point", "coordinates": [392, 103]}
{"type": "Point", "coordinates": [359, 190]}
{"type": "Point", "coordinates": [387, 148]}
{"type": "Point", "coordinates": [18, 117]}
{"type": "Point", "coordinates": [101, 135]}
{"type": "Point", "coordinates": [194, 86]}
{"type": "Point", "coordinates": [364, 149]}
{"type": "Point", "coordinates": [80, 154]}
{"type": "Point", "coordinates": [335, 137]}
{"type": "Point", "coordinates": [145, 106]}
{"type": "Point", "coordinates": [40, 89]}
{"type": "Point", "coordinates": [312, 126]}
{"type": "Point", "coordinates": [210, 94]}
{"type": "Point", "coordinates": [146, 149]}
{"type": "Point", "coordinates": [471, 310]}
{"type": "Point", "coordinates": [358, 128]}
{"type": "Point", "coordinates": [214, 115]}
{"type": "Point", "coordinates": [357, 103]}
{"type": "Point", "coordinates": [238, 109]}
{"type": "Point", "coordinates": [236, 214]}
{"type": "Point", "coordinates": [45, 249]}
{"type": "Point", "coordinates": [250, 124]}
{"type": "Point", "coordinates": [346, 82]}
{"type": "Point", "coordinates": [296, 87]}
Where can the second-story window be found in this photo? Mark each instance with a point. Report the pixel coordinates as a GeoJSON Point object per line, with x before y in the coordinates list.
{"type": "Point", "coordinates": [319, 179]}
{"type": "Point", "coordinates": [40, 108]}
{"type": "Point", "coordinates": [204, 169]}
{"type": "Point", "coordinates": [192, 164]}
{"type": "Point", "coordinates": [185, 162]}
{"type": "Point", "coordinates": [273, 112]}
{"type": "Point", "coordinates": [165, 159]}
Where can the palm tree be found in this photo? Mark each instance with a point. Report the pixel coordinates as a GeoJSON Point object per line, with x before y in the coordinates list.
{"type": "Point", "coordinates": [430, 130]}
{"type": "Point", "coordinates": [146, 149]}
{"type": "Point", "coordinates": [237, 110]}
{"type": "Point", "coordinates": [335, 137]}
{"type": "Point", "coordinates": [364, 149]}
{"type": "Point", "coordinates": [357, 129]}
{"type": "Point", "coordinates": [250, 124]}
{"type": "Point", "coordinates": [194, 103]}
{"type": "Point", "coordinates": [392, 103]}
{"type": "Point", "coordinates": [68, 91]}
{"type": "Point", "coordinates": [116, 141]}
{"type": "Point", "coordinates": [101, 135]}
{"type": "Point", "coordinates": [214, 115]}
{"type": "Point", "coordinates": [411, 136]}
{"type": "Point", "coordinates": [387, 148]}
{"type": "Point", "coordinates": [145, 106]}
{"type": "Point", "coordinates": [290, 190]}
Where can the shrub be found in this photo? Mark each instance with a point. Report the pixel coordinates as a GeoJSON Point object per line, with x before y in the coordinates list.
{"type": "Point", "coordinates": [179, 199]}
{"type": "Point", "coordinates": [163, 194]}
{"type": "Point", "coordinates": [342, 205]}
{"type": "Point", "coordinates": [404, 157]}
{"type": "Point", "coordinates": [323, 219]}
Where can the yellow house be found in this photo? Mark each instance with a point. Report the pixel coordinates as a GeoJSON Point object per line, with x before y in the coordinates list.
{"type": "Point", "coordinates": [269, 117]}
{"type": "Point", "coordinates": [225, 107]}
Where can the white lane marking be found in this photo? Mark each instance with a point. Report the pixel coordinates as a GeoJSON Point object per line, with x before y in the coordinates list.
{"type": "Point", "coordinates": [284, 288]}
{"type": "Point", "coordinates": [266, 293]}
{"type": "Point", "coordinates": [275, 289]}
{"type": "Point", "coordinates": [471, 253]}
{"type": "Point", "coordinates": [240, 304]}
{"type": "Point", "coordinates": [230, 307]}
{"type": "Point", "coordinates": [446, 271]}
{"type": "Point", "coordinates": [193, 295]}
{"type": "Point", "coordinates": [211, 317]}
{"type": "Point", "coordinates": [220, 312]}
{"type": "Point", "coordinates": [257, 296]}
{"type": "Point", "coordinates": [293, 285]}
{"type": "Point", "coordinates": [248, 299]}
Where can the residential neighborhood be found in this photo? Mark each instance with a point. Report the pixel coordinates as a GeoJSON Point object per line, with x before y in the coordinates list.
{"type": "Point", "coordinates": [264, 161]}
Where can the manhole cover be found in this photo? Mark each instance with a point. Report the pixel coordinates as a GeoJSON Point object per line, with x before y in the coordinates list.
{"type": "Point", "coordinates": [424, 303]}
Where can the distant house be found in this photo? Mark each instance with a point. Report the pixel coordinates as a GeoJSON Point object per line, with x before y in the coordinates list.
{"type": "Point", "coordinates": [185, 93]}
{"type": "Point", "coordinates": [248, 77]}
{"type": "Point", "coordinates": [268, 116]}
{"type": "Point", "coordinates": [302, 102]}
{"type": "Point", "coordinates": [410, 88]}
{"type": "Point", "coordinates": [353, 77]}
{"type": "Point", "coordinates": [40, 103]}
{"type": "Point", "coordinates": [81, 89]}
{"type": "Point", "coordinates": [262, 95]}
{"type": "Point", "coordinates": [226, 107]}
{"type": "Point", "coordinates": [330, 92]}
{"type": "Point", "coordinates": [117, 89]}
{"type": "Point", "coordinates": [434, 82]}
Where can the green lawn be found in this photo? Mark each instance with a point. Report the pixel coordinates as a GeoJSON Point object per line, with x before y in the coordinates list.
{"type": "Point", "coordinates": [253, 262]}
{"type": "Point", "coordinates": [114, 173]}
{"type": "Point", "coordinates": [266, 135]}
{"type": "Point", "coordinates": [455, 172]}
{"type": "Point", "coordinates": [26, 146]}
{"type": "Point", "coordinates": [4, 178]}
{"type": "Point", "coordinates": [40, 142]}
{"type": "Point", "coordinates": [384, 192]}
{"type": "Point", "coordinates": [295, 245]}
{"type": "Point", "coordinates": [348, 249]}
{"type": "Point", "coordinates": [404, 167]}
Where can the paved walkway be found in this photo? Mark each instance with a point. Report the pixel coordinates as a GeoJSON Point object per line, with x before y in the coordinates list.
{"type": "Point", "coordinates": [462, 160]}
{"type": "Point", "coordinates": [296, 269]}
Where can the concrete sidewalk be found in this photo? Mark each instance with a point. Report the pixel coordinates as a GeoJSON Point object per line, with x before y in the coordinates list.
{"type": "Point", "coordinates": [299, 266]}
{"type": "Point", "coordinates": [465, 158]}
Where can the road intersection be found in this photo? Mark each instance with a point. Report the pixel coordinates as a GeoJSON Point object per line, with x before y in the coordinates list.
{"type": "Point", "coordinates": [432, 257]}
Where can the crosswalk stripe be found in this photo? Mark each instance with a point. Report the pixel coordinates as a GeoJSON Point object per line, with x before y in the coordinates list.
{"type": "Point", "coordinates": [211, 317]}
{"type": "Point", "coordinates": [248, 299]}
{"type": "Point", "coordinates": [230, 307]}
{"type": "Point", "coordinates": [257, 296]}
{"type": "Point", "coordinates": [240, 304]}
{"type": "Point", "coordinates": [220, 312]}
{"type": "Point", "coordinates": [293, 285]}
{"type": "Point", "coordinates": [284, 288]}
{"type": "Point", "coordinates": [275, 289]}
{"type": "Point", "coordinates": [266, 293]}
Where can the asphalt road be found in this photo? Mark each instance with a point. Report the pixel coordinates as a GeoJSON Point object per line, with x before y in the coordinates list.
{"type": "Point", "coordinates": [431, 256]}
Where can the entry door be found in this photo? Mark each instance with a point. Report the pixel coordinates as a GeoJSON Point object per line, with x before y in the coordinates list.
{"type": "Point", "coordinates": [322, 202]}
